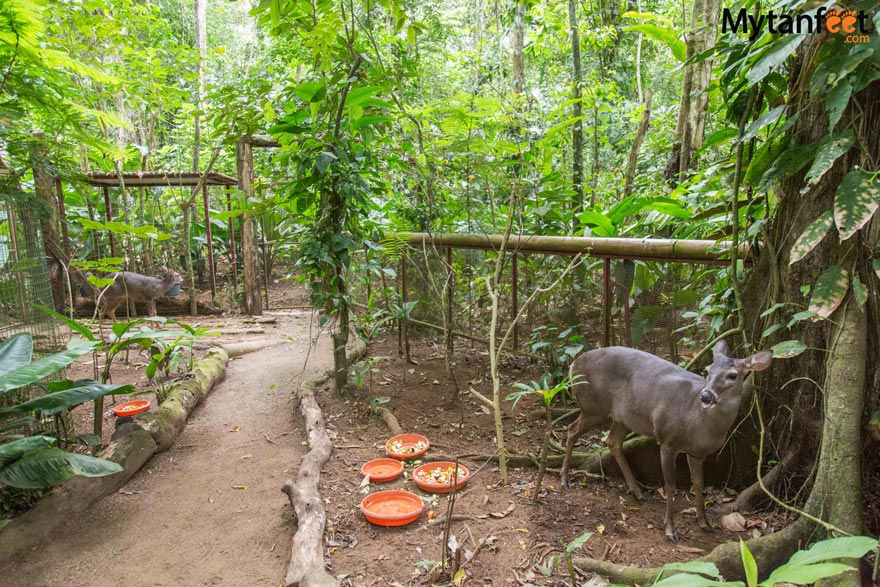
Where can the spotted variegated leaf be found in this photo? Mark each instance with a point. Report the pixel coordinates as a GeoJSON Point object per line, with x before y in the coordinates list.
{"type": "Point", "coordinates": [788, 348]}
{"type": "Point", "coordinates": [812, 236]}
{"type": "Point", "coordinates": [860, 291]}
{"type": "Point", "coordinates": [857, 199]}
{"type": "Point", "coordinates": [830, 149]}
{"type": "Point", "coordinates": [829, 291]}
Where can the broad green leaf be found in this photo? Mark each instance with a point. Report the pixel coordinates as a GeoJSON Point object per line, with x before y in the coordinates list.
{"type": "Point", "coordinates": [689, 580]}
{"type": "Point", "coordinates": [54, 403]}
{"type": "Point", "coordinates": [703, 568]}
{"type": "Point", "coordinates": [358, 96]}
{"type": "Point", "coordinates": [671, 207]}
{"type": "Point", "coordinates": [323, 161]}
{"type": "Point", "coordinates": [836, 102]}
{"type": "Point", "coordinates": [667, 35]}
{"type": "Point", "coordinates": [365, 121]}
{"type": "Point", "coordinates": [12, 451]}
{"type": "Point", "coordinates": [15, 352]}
{"type": "Point", "coordinates": [773, 56]}
{"type": "Point", "coordinates": [768, 118]}
{"type": "Point", "coordinates": [800, 316]}
{"type": "Point", "coordinates": [789, 162]}
{"type": "Point", "coordinates": [647, 16]}
{"type": "Point", "coordinates": [600, 224]}
{"type": "Point", "coordinates": [772, 309]}
{"type": "Point", "coordinates": [812, 236]}
{"type": "Point", "coordinates": [829, 291]}
{"type": "Point", "coordinates": [860, 291]}
{"type": "Point", "coordinates": [44, 367]}
{"type": "Point", "coordinates": [770, 330]}
{"type": "Point", "coordinates": [788, 349]}
{"type": "Point", "coordinates": [834, 548]}
{"type": "Point", "coordinates": [52, 466]}
{"type": "Point", "coordinates": [804, 575]}
{"type": "Point", "coordinates": [17, 423]}
{"type": "Point", "coordinates": [830, 149]}
{"type": "Point", "coordinates": [749, 564]}
{"type": "Point", "coordinates": [858, 197]}
{"type": "Point", "coordinates": [313, 91]}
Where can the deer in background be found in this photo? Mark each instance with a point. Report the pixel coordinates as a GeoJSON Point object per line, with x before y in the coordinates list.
{"type": "Point", "coordinates": [137, 287]}
{"type": "Point", "coordinates": [650, 396]}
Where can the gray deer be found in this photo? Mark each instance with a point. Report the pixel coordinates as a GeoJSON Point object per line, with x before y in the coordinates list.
{"type": "Point", "coordinates": [650, 396]}
{"type": "Point", "coordinates": [140, 288]}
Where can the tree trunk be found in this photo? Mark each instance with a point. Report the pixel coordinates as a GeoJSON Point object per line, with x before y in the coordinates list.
{"type": "Point", "coordinates": [44, 189]}
{"type": "Point", "coordinates": [637, 145]}
{"type": "Point", "coordinates": [518, 63]}
{"type": "Point", "coordinates": [245, 163]}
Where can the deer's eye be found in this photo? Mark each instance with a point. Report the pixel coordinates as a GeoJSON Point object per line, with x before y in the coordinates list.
{"type": "Point", "coordinates": [732, 376]}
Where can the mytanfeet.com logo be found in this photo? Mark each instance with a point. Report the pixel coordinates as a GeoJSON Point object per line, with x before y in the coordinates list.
{"type": "Point", "coordinates": [854, 25]}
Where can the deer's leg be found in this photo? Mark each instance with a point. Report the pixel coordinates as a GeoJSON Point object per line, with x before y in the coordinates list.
{"type": "Point", "coordinates": [615, 444]}
{"type": "Point", "coordinates": [696, 467]}
{"type": "Point", "coordinates": [151, 308]}
{"type": "Point", "coordinates": [667, 461]}
{"type": "Point", "coordinates": [575, 430]}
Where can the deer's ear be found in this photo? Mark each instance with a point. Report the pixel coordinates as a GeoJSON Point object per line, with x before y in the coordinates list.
{"type": "Point", "coordinates": [720, 349]}
{"type": "Point", "coordinates": [758, 361]}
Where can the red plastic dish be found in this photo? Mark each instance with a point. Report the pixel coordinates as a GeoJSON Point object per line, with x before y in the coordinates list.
{"type": "Point", "coordinates": [406, 446]}
{"type": "Point", "coordinates": [445, 469]}
{"type": "Point", "coordinates": [131, 408]}
{"type": "Point", "coordinates": [392, 508]}
{"type": "Point", "coordinates": [382, 470]}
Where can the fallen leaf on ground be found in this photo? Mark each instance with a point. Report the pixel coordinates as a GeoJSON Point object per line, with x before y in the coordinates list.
{"type": "Point", "coordinates": [734, 522]}
{"type": "Point", "coordinates": [235, 429]}
{"type": "Point", "coordinates": [239, 486]}
{"type": "Point", "coordinates": [509, 509]}
{"type": "Point", "coordinates": [690, 549]}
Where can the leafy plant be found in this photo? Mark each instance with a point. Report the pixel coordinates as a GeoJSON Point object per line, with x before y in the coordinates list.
{"type": "Point", "coordinates": [36, 461]}
{"type": "Point", "coordinates": [805, 567]}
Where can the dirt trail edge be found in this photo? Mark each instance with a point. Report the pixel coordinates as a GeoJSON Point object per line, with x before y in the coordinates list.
{"type": "Point", "coordinates": [209, 510]}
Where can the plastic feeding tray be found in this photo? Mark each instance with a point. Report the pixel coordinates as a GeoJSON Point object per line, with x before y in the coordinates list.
{"type": "Point", "coordinates": [381, 470]}
{"type": "Point", "coordinates": [131, 408]}
{"type": "Point", "coordinates": [406, 446]}
{"type": "Point", "coordinates": [437, 477]}
{"type": "Point", "coordinates": [392, 508]}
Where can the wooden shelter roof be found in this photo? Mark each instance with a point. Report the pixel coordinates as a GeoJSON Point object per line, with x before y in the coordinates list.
{"type": "Point", "coordinates": [158, 179]}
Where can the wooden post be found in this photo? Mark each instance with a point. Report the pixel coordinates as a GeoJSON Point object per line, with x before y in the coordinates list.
{"type": "Point", "coordinates": [245, 163]}
{"type": "Point", "coordinates": [211, 272]}
{"type": "Point", "coordinates": [265, 249]}
{"type": "Point", "coordinates": [606, 304]}
{"type": "Point", "coordinates": [232, 258]}
{"type": "Point", "coordinates": [450, 297]}
{"type": "Point", "coordinates": [108, 215]}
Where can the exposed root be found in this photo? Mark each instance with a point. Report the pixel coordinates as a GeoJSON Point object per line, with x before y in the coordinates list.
{"type": "Point", "coordinates": [770, 551]}
{"type": "Point", "coordinates": [390, 421]}
{"type": "Point", "coordinates": [751, 496]}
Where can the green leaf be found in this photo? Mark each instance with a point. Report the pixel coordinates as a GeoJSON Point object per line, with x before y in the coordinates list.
{"type": "Point", "coordinates": [365, 121]}
{"type": "Point", "coordinates": [12, 451]}
{"type": "Point", "coordinates": [773, 56]}
{"type": "Point", "coordinates": [788, 349]}
{"type": "Point", "coordinates": [835, 548]}
{"type": "Point", "coordinates": [313, 91]}
{"type": "Point", "coordinates": [44, 367]}
{"type": "Point", "coordinates": [689, 580]}
{"type": "Point", "coordinates": [54, 403]}
{"type": "Point", "coordinates": [858, 197]}
{"type": "Point", "coordinates": [860, 291]}
{"type": "Point", "coordinates": [670, 207]}
{"type": "Point", "coordinates": [667, 35]}
{"type": "Point", "coordinates": [703, 568]}
{"type": "Point", "coordinates": [358, 96]}
{"type": "Point", "coordinates": [812, 236]}
{"type": "Point", "coordinates": [600, 224]}
{"type": "Point", "coordinates": [749, 564]}
{"type": "Point", "coordinates": [836, 102]}
{"type": "Point", "coordinates": [769, 117]}
{"type": "Point", "coordinates": [830, 149]}
{"type": "Point", "coordinates": [804, 575]}
{"type": "Point", "coordinates": [788, 162]}
{"type": "Point", "coordinates": [52, 466]}
{"type": "Point", "coordinates": [15, 352]}
{"type": "Point", "coordinates": [577, 542]}
{"type": "Point", "coordinates": [829, 291]}
{"type": "Point", "coordinates": [323, 161]}
{"type": "Point", "coordinates": [72, 324]}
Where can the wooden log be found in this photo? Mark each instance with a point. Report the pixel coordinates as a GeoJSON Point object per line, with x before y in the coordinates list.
{"type": "Point", "coordinates": [182, 397]}
{"type": "Point", "coordinates": [703, 251]}
{"type": "Point", "coordinates": [131, 447]}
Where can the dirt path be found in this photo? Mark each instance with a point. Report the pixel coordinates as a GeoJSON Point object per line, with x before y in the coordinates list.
{"type": "Point", "coordinates": [209, 511]}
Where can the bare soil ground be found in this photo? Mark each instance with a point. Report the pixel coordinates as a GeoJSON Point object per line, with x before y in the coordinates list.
{"type": "Point", "coordinates": [209, 510]}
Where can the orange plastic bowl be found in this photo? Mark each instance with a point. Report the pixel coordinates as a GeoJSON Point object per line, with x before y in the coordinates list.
{"type": "Point", "coordinates": [437, 477]}
{"type": "Point", "coordinates": [407, 446]}
{"type": "Point", "coordinates": [382, 470]}
{"type": "Point", "coordinates": [392, 508]}
{"type": "Point", "coordinates": [131, 408]}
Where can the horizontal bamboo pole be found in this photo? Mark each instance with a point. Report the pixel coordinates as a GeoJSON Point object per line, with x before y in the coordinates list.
{"type": "Point", "coordinates": [694, 251]}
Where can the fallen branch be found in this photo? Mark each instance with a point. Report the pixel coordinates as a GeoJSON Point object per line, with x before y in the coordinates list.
{"type": "Point", "coordinates": [390, 420]}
